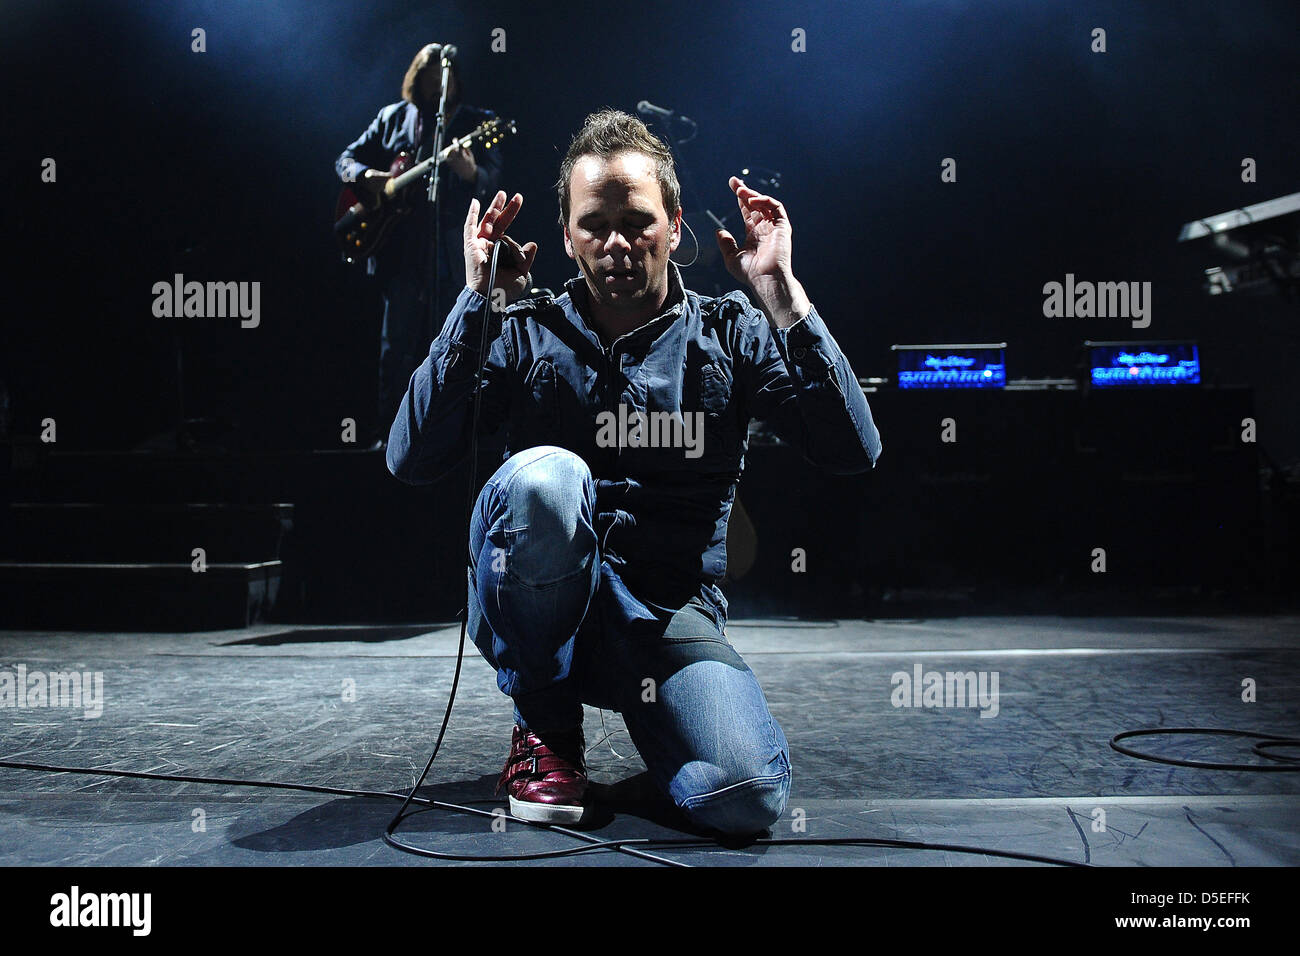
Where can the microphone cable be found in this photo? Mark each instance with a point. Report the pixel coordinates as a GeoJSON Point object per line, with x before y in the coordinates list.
{"type": "Point", "coordinates": [390, 831]}
{"type": "Point", "coordinates": [393, 824]}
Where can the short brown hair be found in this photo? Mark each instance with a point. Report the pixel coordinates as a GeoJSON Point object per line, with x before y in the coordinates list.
{"type": "Point", "coordinates": [429, 57]}
{"type": "Point", "coordinates": [608, 133]}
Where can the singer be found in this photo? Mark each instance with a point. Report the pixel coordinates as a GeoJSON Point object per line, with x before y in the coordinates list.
{"type": "Point", "coordinates": [593, 569]}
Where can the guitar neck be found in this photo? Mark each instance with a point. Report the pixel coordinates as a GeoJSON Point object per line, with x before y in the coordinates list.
{"type": "Point", "coordinates": [361, 227]}
{"type": "Point", "coordinates": [415, 172]}
{"type": "Point", "coordinates": [419, 169]}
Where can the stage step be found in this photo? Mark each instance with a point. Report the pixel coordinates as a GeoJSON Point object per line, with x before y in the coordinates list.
{"type": "Point", "coordinates": [84, 531]}
{"type": "Point", "coordinates": [363, 547]}
{"type": "Point", "coordinates": [169, 566]}
{"type": "Point", "coordinates": [159, 596]}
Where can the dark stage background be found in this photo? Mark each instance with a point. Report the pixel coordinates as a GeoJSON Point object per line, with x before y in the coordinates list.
{"type": "Point", "coordinates": [218, 165]}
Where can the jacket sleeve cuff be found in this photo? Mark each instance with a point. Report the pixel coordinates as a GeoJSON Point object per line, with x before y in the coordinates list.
{"type": "Point", "coordinates": [805, 342]}
{"type": "Point", "coordinates": [463, 323]}
{"type": "Point", "coordinates": [350, 171]}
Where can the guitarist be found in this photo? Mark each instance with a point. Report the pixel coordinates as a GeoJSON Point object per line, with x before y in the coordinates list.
{"type": "Point", "coordinates": [403, 266]}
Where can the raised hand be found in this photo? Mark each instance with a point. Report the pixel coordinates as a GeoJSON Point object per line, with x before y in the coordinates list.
{"type": "Point", "coordinates": [514, 262]}
{"type": "Point", "coordinates": [766, 252]}
{"type": "Point", "coordinates": [763, 262]}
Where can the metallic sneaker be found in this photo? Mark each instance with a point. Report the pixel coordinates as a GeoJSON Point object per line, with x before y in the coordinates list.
{"type": "Point", "coordinates": [546, 781]}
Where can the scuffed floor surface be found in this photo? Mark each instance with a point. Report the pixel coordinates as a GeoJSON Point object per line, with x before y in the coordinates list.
{"type": "Point", "coordinates": [359, 708]}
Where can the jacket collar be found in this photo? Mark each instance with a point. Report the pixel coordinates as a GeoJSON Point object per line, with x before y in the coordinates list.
{"type": "Point", "coordinates": [674, 304]}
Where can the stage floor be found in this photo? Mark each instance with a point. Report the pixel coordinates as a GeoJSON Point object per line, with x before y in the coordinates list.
{"type": "Point", "coordinates": [1037, 777]}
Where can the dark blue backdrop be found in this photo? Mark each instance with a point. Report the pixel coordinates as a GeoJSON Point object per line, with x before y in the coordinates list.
{"type": "Point", "coordinates": [218, 165]}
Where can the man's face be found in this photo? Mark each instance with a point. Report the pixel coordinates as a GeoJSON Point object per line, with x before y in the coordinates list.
{"type": "Point", "coordinates": [429, 83]}
{"type": "Point", "coordinates": [619, 232]}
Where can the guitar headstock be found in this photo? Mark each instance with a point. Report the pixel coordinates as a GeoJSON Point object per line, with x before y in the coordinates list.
{"type": "Point", "coordinates": [490, 132]}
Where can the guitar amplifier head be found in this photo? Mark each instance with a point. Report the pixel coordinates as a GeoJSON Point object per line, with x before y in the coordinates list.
{"type": "Point", "coordinates": [1142, 364]}
{"type": "Point", "coordinates": [981, 365]}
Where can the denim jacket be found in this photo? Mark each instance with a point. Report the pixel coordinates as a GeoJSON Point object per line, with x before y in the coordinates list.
{"type": "Point", "coordinates": [667, 463]}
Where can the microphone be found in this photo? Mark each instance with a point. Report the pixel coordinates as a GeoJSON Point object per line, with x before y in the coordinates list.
{"type": "Point", "coordinates": [646, 108]}
{"type": "Point", "coordinates": [449, 52]}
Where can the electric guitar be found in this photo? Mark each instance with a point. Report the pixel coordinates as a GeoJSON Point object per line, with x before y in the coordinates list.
{"type": "Point", "coordinates": [361, 229]}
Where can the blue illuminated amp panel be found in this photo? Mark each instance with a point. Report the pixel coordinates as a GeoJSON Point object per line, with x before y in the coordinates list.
{"type": "Point", "coordinates": [952, 366]}
{"type": "Point", "coordinates": [1143, 364]}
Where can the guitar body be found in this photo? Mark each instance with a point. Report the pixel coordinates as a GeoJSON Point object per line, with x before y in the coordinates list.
{"type": "Point", "coordinates": [360, 229]}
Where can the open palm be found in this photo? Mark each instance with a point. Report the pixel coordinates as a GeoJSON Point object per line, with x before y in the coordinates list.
{"type": "Point", "coordinates": [766, 252]}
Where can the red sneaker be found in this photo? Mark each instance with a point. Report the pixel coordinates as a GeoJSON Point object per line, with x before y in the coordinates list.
{"type": "Point", "coordinates": [547, 780]}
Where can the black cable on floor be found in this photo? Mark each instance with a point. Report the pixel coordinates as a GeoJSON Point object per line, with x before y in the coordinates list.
{"type": "Point", "coordinates": [1268, 740]}
{"type": "Point", "coordinates": [625, 845]}
{"type": "Point", "coordinates": [406, 798]}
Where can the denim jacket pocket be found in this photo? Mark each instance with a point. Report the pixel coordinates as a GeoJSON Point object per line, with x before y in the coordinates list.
{"type": "Point", "coordinates": [714, 390]}
{"type": "Point", "coordinates": [721, 436]}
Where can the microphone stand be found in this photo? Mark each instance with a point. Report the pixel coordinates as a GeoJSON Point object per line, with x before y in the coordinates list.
{"type": "Point", "coordinates": [709, 259]}
{"type": "Point", "coordinates": [708, 256]}
{"type": "Point", "coordinates": [435, 177]}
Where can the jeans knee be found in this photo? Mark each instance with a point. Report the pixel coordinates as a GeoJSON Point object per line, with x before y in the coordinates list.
{"type": "Point", "coordinates": [541, 522]}
{"type": "Point", "coordinates": [548, 492]}
{"type": "Point", "coordinates": [746, 807]}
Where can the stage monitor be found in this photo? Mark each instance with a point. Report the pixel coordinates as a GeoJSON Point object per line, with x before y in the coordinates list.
{"type": "Point", "coordinates": [1143, 364]}
{"type": "Point", "coordinates": [982, 365]}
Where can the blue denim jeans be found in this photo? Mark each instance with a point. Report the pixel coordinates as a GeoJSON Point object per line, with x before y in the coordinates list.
{"type": "Point", "coordinates": [562, 629]}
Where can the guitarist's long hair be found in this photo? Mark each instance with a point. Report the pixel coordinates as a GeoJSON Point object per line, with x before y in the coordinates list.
{"type": "Point", "coordinates": [429, 57]}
